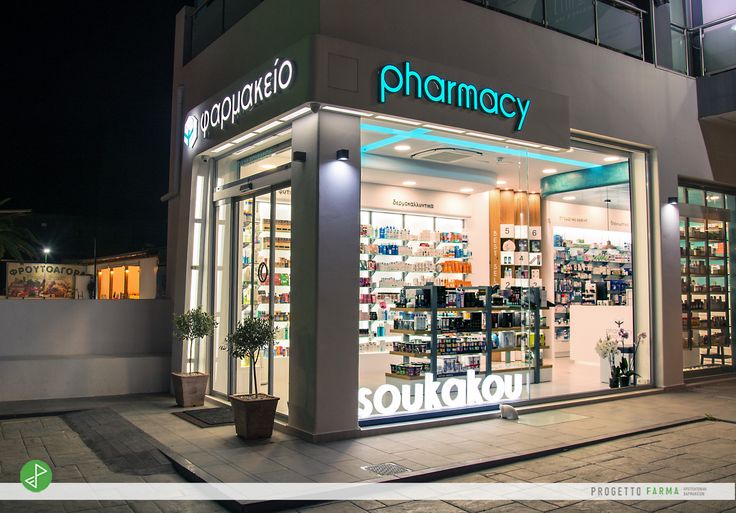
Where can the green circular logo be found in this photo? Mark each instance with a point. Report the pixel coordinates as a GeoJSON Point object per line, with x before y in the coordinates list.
{"type": "Point", "coordinates": [35, 475]}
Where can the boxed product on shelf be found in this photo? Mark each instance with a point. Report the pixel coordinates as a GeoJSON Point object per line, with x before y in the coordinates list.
{"type": "Point", "coordinates": [456, 345]}
{"type": "Point", "coordinates": [413, 346]}
{"type": "Point", "coordinates": [409, 369]}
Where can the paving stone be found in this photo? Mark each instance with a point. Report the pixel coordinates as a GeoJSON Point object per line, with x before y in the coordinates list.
{"type": "Point", "coordinates": [543, 506]}
{"type": "Point", "coordinates": [334, 507]}
{"type": "Point", "coordinates": [655, 505]}
{"type": "Point", "coordinates": [512, 508]}
{"type": "Point", "coordinates": [144, 507]}
{"type": "Point", "coordinates": [418, 507]}
{"type": "Point", "coordinates": [478, 506]}
{"type": "Point", "coordinates": [368, 505]}
{"type": "Point", "coordinates": [598, 506]}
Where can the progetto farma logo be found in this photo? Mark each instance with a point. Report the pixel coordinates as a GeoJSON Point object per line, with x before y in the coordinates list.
{"type": "Point", "coordinates": [191, 128]}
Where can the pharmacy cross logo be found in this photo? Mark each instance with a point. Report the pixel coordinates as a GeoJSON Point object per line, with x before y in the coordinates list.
{"type": "Point", "coordinates": [35, 475]}
{"type": "Point", "coordinates": [190, 131]}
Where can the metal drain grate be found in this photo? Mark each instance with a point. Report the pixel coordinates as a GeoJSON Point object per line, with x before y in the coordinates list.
{"type": "Point", "coordinates": [386, 469]}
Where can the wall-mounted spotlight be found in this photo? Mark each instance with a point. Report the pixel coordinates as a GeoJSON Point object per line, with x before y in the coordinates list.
{"type": "Point", "coordinates": [299, 156]}
{"type": "Point", "coordinates": [342, 154]}
{"type": "Point", "coordinates": [672, 200]}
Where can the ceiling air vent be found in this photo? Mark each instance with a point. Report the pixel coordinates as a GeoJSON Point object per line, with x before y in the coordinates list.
{"type": "Point", "coordinates": [446, 155]}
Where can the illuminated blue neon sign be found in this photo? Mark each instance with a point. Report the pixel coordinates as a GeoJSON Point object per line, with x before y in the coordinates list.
{"type": "Point", "coordinates": [394, 79]}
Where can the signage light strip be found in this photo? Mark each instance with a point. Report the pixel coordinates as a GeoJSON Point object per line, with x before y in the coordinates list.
{"type": "Point", "coordinates": [462, 143]}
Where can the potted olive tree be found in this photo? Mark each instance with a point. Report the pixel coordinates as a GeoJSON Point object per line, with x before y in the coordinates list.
{"type": "Point", "coordinates": [254, 413]}
{"type": "Point", "coordinates": [190, 386]}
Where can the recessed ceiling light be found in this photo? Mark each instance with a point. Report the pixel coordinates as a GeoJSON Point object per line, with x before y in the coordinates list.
{"type": "Point", "coordinates": [549, 171]}
{"type": "Point", "coordinates": [408, 183]}
{"type": "Point", "coordinates": [244, 137]}
{"type": "Point", "coordinates": [486, 136]}
{"type": "Point", "coordinates": [466, 190]}
{"type": "Point", "coordinates": [500, 182]}
{"type": "Point", "coordinates": [402, 147]}
{"type": "Point", "coordinates": [568, 198]}
{"type": "Point", "coordinates": [523, 143]}
{"type": "Point", "coordinates": [296, 114]}
{"type": "Point", "coordinates": [266, 128]}
{"type": "Point", "coordinates": [223, 147]}
{"type": "Point", "coordinates": [445, 129]}
{"type": "Point", "coordinates": [399, 120]}
{"type": "Point", "coordinates": [268, 166]}
{"type": "Point", "coordinates": [348, 111]}
{"type": "Point", "coordinates": [611, 159]}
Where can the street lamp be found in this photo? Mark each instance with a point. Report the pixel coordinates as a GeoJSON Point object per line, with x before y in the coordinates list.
{"type": "Point", "coordinates": [46, 252]}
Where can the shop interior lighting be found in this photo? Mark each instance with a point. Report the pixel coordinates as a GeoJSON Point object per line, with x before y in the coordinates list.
{"type": "Point", "coordinates": [283, 133]}
{"type": "Point", "coordinates": [243, 150]}
{"type": "Point", "coordinates": [399, 137]}
{"type": "Point", "coordinates": [348, 111]}
{"type": "Point", "coordinates": [500, 182]}
{"type": "Point", "coordinates": [223, 147]}
{"type": "Point", "coordinates": [408, 183]}
{"type": "Point", "coordinates": [268, 166]}
{"type": "Point", "coordinates": [266, 128]}
{"type": "Point", "coordinates": [296, 114]}
{"type": "Point", "coordinates": [611, 158]}
{"type": "Point", "coordinates": [444, 129]}
{"type": "Point", "coordinates": [342, 154]}
{"type": "Point", "coordinates": [466, 190]}
{"type": "Point", "coordinates": [485, 136]}
{"type": "Point", "coordinates": [402, 147]}
{"type": "Point", "coordinates": [244, 137]}
{"type": "Point", "coordinates": [523, 143]}
{"type": "Point", "coordinates": [672, 200]}
{"type": "Point", "coordinates": [399, 120]}
{"type": "Point", "coordinates": [264, 141]}
{"type": "Point", "coordinates": [551, 148]}
{"type": "Point", "coordinates": [549, 171]}
{"type": "Point", "coordinates": [420, 134]}
{"type": "Point", "coordinates": [568, 198]}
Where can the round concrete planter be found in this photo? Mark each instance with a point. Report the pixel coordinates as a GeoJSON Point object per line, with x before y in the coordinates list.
{"type": "Point", "coordinates": [254, 415]}
{"type": "Point", "coordinates": [189, 388]}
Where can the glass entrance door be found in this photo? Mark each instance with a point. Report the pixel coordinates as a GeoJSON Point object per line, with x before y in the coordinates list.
{"type": "Point", "coordinates": [261, 270]}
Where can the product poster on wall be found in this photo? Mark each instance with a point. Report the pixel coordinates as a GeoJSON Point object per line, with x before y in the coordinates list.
{"type": "Point", "coordinates": [35, 280]}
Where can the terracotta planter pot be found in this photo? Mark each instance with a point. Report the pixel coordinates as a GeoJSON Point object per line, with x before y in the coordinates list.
{"type": "Point", "coordinates": [254, 415]}
{"type": "Point", "coordinates": [189, 388]}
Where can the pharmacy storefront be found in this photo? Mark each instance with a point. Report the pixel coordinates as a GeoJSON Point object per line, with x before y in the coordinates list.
{"type": "Point", "coordinates": [426, 241]}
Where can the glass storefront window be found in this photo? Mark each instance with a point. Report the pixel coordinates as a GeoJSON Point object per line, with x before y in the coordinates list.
{"type": "Point", "coordinates": [707, 274]}
{"type": "Point", "coordinates": [458, 234]}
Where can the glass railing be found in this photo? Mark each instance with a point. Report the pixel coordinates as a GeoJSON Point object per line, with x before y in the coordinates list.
{"type": "Point", "coordinates": [717, 49]}
{"type": "Point", "coordinates": [615, 24]}
{"type": "Point", "coordinates": [680, 49]}
{"type": "Point", "coordinates": [211, 18]}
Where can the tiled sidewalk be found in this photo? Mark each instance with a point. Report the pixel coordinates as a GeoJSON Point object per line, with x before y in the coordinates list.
{"type": "Point", "coordinates": [285, 458]}
{"type": "Point", "coordinates": [702, 452]}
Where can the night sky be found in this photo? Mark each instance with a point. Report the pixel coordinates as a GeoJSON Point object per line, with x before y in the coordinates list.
{"type": "Point", "coordinates": [89, 102]}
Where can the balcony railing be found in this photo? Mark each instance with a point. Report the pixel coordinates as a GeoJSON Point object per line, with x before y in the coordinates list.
{"type": "Point", "coordinates": [714, 46]}
{"type": "Point", "coordinates": [614, 24]}
{"type": "Point", "coordinates": [211, 19]}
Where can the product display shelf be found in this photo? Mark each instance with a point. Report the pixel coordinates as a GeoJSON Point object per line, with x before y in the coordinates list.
{"type": "Point", "coordinates": [434, 337]}
{"type": "Point", "coordinates": [377, 329]}
{"type": "Point", "coordinates": [705, 282]}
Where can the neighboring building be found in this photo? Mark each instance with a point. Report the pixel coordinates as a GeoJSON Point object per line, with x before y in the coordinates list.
{"type": "Point", "coordinates": [329, 155]}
